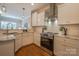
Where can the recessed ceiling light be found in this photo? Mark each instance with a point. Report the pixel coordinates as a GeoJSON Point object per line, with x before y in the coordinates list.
{"type": "Point", "coordinates": [32, 3]}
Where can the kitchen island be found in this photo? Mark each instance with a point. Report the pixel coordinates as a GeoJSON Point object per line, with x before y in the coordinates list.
{"type": "Point", "coordinates": [7, 45]}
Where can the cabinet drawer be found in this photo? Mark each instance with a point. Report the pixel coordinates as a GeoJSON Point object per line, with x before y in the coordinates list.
{"type": "Point", "coordinates": [58, 40]}
{"type": "Point", "coordinates": [73, 45]}
{"type": "Point", "coordinates": [72, 42]}
{"type": "Point", "coordinates": [70, 51]}
{"type": "Point", "coordinates": [77, 52]}
{"type": "Point", "coordinates": [59, 46]}
{"type": "Point", "coordinates": [59, 52]}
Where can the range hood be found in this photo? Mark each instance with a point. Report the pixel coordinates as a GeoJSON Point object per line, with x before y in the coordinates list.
{"type": "Point", "coordinates": [51, 13]}
{"type": "Point", "coordinates": [51, 18]}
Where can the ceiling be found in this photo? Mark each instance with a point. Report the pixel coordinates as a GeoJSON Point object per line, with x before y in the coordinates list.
{"type": "Point", "coordinates": [15, 9]}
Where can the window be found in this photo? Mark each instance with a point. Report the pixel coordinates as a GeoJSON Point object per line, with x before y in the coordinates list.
{"type": "Point", "coordinates": [9, 25]}
{"type": "Point", "coordinates": [25, 26]}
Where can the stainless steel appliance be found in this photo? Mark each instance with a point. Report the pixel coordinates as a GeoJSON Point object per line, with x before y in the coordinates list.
{"type": "Point", "coordinates": [47, 40]}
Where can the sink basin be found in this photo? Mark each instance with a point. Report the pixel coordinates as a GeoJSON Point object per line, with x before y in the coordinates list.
{"type": "Point", "coordinates": [7, 37]}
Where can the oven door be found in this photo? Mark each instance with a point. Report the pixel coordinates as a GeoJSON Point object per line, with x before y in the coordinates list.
{"type": "Point", "coordinates": [47, 43]}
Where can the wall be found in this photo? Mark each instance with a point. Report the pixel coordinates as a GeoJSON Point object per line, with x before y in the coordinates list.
{"type": "Point", "coordinates": [68, 13]}
{"type": "Point", "coordinates": [52, 27]}
{"type": "Point", "coordinates": [72, 29]}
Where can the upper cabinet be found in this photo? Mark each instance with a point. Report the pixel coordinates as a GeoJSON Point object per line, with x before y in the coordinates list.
{"type": "Point", "coordinates": [38, 18]}
{"type": "Point", "coordinates": [68, 14]}
{"type": "Point", "coordinates": [41, 18]}
{"type": "Point", "coordinates": [34, 18]}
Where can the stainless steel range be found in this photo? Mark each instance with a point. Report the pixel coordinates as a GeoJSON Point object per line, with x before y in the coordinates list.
{"type": "Point", "coordinates": [47, 40]}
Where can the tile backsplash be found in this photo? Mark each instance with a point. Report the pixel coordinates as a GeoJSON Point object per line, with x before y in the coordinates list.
{"type": "Point", "coordinates": [72, 29]}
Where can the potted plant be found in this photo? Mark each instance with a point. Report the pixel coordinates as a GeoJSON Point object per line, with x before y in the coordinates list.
{"type": "Point", "coordinates": [61, 30]}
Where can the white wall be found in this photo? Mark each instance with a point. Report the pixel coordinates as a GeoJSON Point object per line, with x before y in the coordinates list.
{"type": "Point", "coordinates": [53, 27]}
{"type": "Point", "coordinates": [72, 29]}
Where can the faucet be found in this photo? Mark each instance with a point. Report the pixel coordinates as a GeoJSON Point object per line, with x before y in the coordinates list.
{"type": "Point", "coordinates": [65, 30]}
{"type": "Point", "coordinates": [44, 28]}
{"type": "Point", "coordinates": [7, 27]}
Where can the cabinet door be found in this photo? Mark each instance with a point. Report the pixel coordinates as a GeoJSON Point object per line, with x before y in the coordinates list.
{"type": "Point", "coordinates": [37, 39]}
{"type": "Point", "coordinates": [61, 16]}
{"type": "Point", "coordinates": [37, 35]}
{"type": "Point", "coordinates": [41, 16]}
{"type": "Point", "coordinates": [71, 46]}
{"type": "Point", "coordinates": [59, 48]}
{"type": "Point", "coordinates": [68, 14]}
{"type": "Point", "coordinates": [7, 48]}
{"type": "Point", "coordinates": [18, 41]}
{"type": "Point", "coordinates": [70, 51]}
{"type": "Point", "coordinates": [34, 19]}
{"type": "Point", "coordinates": [27, 38]}
{"type": "Point", "coordinates": [66, 46]}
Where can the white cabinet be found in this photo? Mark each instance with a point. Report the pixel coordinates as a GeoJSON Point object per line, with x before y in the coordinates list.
{"type": "Point", "coordinates": [37, 36]}
{"type": "Point", "coordinates": [23, 39]}
{"type": "Point", "coordinates": [27, 38]}
{"type": "Point", "coordinates": [34, 19]}
{"type": "Point", "coordinates": [59, 48]}
{"type": "Point", "coordinates": [7, 48]}
{"type": "Point", "coordinates": [18, 41]}
{"type": "Point", "coordinates": [68, 14]}
{"type": "Point", "coordinates": [41, 16]}
{"type": "Point", "coordinates": [66, 46]}
{"type": "Point", "coordinates": [38, 18]}
{"type": "Point", "coordinates": [37, 39]}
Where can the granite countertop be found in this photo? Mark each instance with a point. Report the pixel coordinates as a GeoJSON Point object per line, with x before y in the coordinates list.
{"type": "Point", "coordinates": [7, 37]}
{"type": "Point", "coordinates": [68, 36]}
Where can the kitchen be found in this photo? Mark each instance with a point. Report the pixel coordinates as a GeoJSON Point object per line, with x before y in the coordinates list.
{"type": "Point", "coordinates": [39, 29]}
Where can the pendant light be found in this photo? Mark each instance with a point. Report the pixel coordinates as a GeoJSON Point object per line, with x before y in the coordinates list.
{"type": "Point", "coordinates": [23, 13]}
{"type": "Point", "coordinates": [3, 9]}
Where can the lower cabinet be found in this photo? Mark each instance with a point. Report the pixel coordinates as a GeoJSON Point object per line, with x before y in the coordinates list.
{"type": "Point", "coordinates": [7, 48]}
{"type": "Point", "coordinates": [59, 48]}
{"type": "Point", "coordinates": [23, 39]}
{"type": "Point", "coordinates": [18, 42]}
{"type": "Point", "coordinates": [37, 38]}
{"type": "Point", "coordinates": [27, 38]}
{"type": "Point", "coordinates": [64, 46]}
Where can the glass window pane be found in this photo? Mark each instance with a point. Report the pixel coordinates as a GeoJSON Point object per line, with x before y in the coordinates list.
{"type": "Point", "coordinates": [9, 25]}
